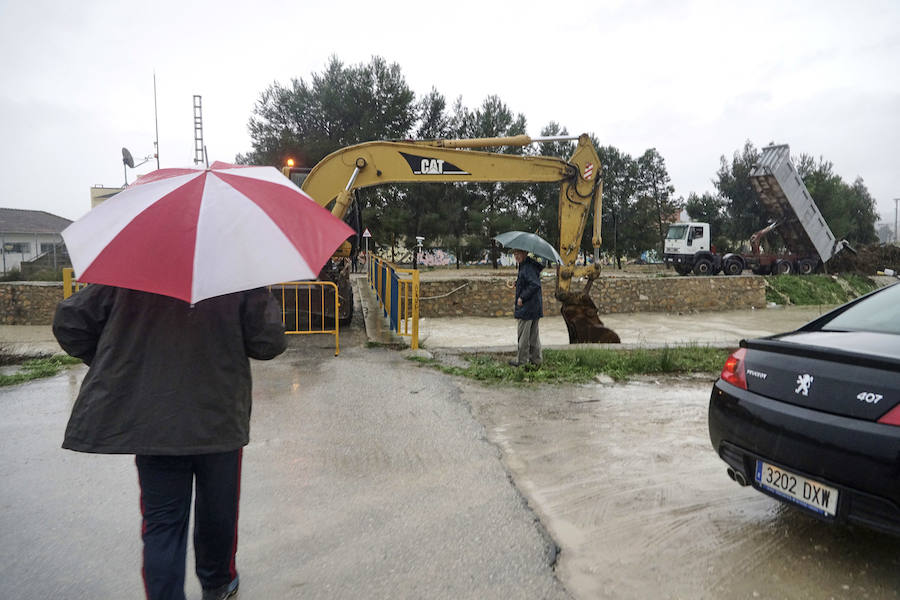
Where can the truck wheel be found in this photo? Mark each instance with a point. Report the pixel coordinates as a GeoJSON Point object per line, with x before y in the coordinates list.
{"type": "Point", "coordinates": [806, 266]}
{"type": "Point", "coordinates": [733, 267]}
{"type": "Point", "coordinates": [703, 267]}
{"type": "Point", "coordinates": [784, 267]}
{"type": "Point", "coordinates": [762, 270]}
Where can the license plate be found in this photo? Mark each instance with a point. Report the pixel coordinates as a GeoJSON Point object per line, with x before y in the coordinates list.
{"type": "Point", "coordinates": [805, 492]}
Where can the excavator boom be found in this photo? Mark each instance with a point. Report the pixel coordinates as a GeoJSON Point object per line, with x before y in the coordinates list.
{"type": "Point", "coordinates": [384, 162]}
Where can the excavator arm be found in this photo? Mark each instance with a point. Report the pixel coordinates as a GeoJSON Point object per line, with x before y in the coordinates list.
{"type": "Point", "coordinates": [333, 180]}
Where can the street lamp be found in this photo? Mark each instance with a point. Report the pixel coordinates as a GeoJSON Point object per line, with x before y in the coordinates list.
{"type": "Point", "coordinates": [419, 240]}
{"type": "Point", "coordinates": [7, 248]}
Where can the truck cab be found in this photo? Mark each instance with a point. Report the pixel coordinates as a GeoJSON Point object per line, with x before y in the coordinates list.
{"type": "Point", "coordinates": [687, 238]}
{"type": "Point", "coordinates": [687, 249]}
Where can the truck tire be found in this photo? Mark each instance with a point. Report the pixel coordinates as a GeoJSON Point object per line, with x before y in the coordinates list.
{"type": "Point", "coordinates": [806, 266]}
{"type": "Point", "coordinates": [732, 267]}
{"type": "Point", "coordinates": [783, 267]}
{"type": "Point", "coordinates": [703, 266]}
{"type": "Point", "coordinates": [762, 270]}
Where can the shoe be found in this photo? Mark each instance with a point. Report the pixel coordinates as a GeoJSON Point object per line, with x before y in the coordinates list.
{"type": "Point", "coordinates": [514, 363]}
{"type": "Point", "coordinates": [222, 592]}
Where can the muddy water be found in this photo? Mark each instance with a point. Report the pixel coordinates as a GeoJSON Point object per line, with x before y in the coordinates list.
{"type": "Point", "coordinates": [626, 482]}
{"type": "Point", "coordinates": [634, 328]}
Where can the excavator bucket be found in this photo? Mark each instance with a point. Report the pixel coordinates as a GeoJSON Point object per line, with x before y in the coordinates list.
{"type": "Point", "coordinates": [583, 319]}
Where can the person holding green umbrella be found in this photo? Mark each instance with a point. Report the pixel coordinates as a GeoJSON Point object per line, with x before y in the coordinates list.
{"type": "Point", "coordinates": [529, 304]}
{"type": "Point", "coordinates": [529, 308]}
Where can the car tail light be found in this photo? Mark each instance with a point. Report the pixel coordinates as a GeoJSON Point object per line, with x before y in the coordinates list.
{"type": "Point", "coordinates": [891, 417]}
{"type": "Point", "coordinates": [733, 372]}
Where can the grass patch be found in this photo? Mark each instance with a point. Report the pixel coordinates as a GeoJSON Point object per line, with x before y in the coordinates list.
{"type": "Point", "coordinates": [37, 368]}
{"type": "Point", "coordinates": [860, 284]}
{"type": "Point", "coordinates": [816, 289]}
{"type": "Point", "coordinates": [581, 365]}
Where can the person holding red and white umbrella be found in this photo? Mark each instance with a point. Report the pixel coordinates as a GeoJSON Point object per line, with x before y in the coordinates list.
{"type": "Point", "coordinates": [174, 313]}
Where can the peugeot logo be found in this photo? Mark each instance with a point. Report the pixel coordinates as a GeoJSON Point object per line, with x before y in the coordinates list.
{"type": "Point", "coordinates": [803, 384]}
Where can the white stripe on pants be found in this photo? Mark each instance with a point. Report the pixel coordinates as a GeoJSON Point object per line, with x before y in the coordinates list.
{"type": "Point", "coordinates": [529, 341]}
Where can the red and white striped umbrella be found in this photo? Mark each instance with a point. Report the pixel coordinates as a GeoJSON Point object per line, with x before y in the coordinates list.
{"type": "Point", "coordinates": [198, 233]}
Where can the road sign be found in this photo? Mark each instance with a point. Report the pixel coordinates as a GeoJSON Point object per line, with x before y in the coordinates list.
{"type": "Point", "coordinates": [366, 233]}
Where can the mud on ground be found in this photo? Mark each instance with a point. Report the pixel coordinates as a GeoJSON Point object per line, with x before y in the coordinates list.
{"type": "Point", "coordinates": [867, 260]}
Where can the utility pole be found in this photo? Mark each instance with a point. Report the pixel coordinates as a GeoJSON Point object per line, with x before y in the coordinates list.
{"type": "Point", "coordinates": [156, 122]}
{"type": "Point", "coordinates": [896, 233]}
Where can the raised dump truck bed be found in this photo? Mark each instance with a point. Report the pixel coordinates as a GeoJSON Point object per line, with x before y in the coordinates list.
{"type": "Point", "coordinates": [787, 200]}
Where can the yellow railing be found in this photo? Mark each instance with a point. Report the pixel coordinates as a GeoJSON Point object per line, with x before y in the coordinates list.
{"type": "Point", "coordinates": [314, 295]}
{"type": "Point", "coordinates": [70, 284]}
{"type": "Point", "coordinates": [398, 294]}
{"type": "Point", "coordinates": [309, 298]}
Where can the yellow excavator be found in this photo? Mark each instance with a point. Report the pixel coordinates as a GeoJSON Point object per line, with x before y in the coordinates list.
{"type": "Point", "coordinates": [334, 180]}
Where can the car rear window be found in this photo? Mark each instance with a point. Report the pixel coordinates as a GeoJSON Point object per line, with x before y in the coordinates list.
{"type": "Point", "coordinates": [879, 312]}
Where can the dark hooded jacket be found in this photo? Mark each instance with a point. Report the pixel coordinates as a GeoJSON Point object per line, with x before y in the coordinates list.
{"type": "Point", "coordinates": [165, 377]}
{"type": "Point", "coordinates": [528, 288]}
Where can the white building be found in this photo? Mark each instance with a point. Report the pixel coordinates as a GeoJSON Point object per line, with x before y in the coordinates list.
{"type": "Point", "coordinates": [27, 234]}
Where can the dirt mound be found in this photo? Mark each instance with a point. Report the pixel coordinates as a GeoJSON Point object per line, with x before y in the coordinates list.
{"type": "Point", "coordinates": [868, 260]}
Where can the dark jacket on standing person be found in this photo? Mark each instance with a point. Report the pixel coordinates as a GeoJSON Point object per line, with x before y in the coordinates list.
{"type": "Point", "coordinates": [165, 377]}
{"type": "Point", "coordinates": [528, 288]}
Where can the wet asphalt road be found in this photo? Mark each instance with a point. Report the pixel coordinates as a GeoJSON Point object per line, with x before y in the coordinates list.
{"type": "Point", "coordinates": [371, 477]}
{"type": "Point", "coordinates": [366, 477]}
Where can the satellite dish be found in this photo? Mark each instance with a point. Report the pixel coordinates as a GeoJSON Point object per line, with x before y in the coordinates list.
{"type": "Point", "coordinates": [127, 158]}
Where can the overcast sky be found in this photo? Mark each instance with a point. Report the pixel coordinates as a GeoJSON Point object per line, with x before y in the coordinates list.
{"type": "Point", "coordinates": [693, 79]}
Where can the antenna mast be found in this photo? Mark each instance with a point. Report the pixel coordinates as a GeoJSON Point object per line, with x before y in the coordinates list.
{"type": "Point", "coordinates": [199, 158]}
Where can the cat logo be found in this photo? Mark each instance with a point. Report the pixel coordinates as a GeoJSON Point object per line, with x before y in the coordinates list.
{"type": "Point", "coordinates": [423, 165]}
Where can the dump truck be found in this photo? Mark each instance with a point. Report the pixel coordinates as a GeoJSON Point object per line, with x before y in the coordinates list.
{"type": "Point", "coordinates": [808, 240]}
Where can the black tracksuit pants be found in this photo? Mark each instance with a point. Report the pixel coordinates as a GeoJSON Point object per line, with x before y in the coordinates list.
{"type": "Point", "coordinates": [166, 485]}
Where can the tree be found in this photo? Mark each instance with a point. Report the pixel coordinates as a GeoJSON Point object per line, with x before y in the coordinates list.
{"type": "Point", "coordinates": [341, 106]}
{"type": "Point", "coordinates": [745, 216]}
{"type": "Point", "coordinates": [541, 206]}
{"type": "Point", "coordinates": [885, 233]}
{"type": "Point", "coordinates": [619, 186]}
{"type": "Point", "coordinates": [422, 208]}
{"type": "Point", "coordinates": [493, 206]}
{"type": "Point", "coordinates": [709, 208]}
{"type": "Point", "coordinates": [655, 193]}
{"type": "Point", "coordinates": [706, 208]}
{"type": "Point", "coordinates": [849, 210]}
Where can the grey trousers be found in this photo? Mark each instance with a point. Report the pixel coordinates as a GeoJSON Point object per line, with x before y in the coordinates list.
{"type": "Point", "coordinates": [529, 342]}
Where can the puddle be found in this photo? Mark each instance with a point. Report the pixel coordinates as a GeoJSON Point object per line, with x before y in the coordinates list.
{"type": "Point", "coordinates": [625, 480]}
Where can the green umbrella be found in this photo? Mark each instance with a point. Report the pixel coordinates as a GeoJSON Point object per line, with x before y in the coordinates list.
{"type": "Point", "coordinates": [529, 242]}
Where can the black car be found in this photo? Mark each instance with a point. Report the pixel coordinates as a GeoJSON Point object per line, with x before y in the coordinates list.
{"type": "Point", "coordinates": [812, 417]}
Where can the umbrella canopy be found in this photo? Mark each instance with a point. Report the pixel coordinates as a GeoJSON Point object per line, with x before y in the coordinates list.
{"type": "Point", "coordinates": [529, 242]}
{"type": "Point", "coordinates": [198, 233]}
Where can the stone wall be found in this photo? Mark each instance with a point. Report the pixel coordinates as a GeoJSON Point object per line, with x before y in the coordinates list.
{"type": "Point", "coordinates": [33, 303]}
{"type": "Point", "coordinates": [29, 302]}
{"type": "Point", "coordinates": [493, 297]}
